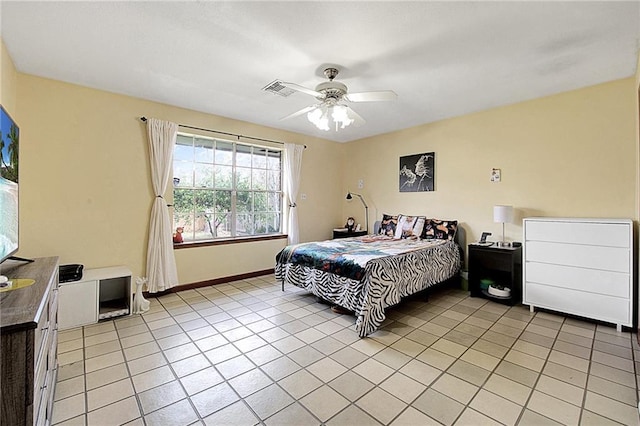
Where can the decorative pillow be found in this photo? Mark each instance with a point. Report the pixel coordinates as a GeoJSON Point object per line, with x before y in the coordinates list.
{"type": "Point", "coordinates": [440, 229]}
{"type": "Point", "coordinates": [388, 225]}
{"type": "Point", "coordinates": [409, 226]}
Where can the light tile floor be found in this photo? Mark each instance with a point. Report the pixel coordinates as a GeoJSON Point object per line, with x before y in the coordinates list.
{"type": "Point", "coordinates": [246, 353]}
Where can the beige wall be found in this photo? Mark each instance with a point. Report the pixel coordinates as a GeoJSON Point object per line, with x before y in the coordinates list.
{"type": "Point", "coordinates": [86, 192]}
{"type": "Point", "coordinates": [8, 78]}
{"type": "Point", "coordinates": [572, 154]}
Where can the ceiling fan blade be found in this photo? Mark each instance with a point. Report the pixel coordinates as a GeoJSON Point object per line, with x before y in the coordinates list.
{"type": "Point", "coordinates": [302, 89]}
{"type": "Point", "coordinates": [382, 95]}
{"type": "Point", "coordinates": [299, 113]}
{"type": "Point", "coordinates": [357, 119]}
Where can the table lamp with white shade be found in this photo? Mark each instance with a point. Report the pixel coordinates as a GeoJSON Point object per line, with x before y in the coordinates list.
{"type": "Point", "coordinates": [503, 214]}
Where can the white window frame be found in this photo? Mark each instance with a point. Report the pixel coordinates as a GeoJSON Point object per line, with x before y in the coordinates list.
{"type": "Point", "coordinates": [233, 220]}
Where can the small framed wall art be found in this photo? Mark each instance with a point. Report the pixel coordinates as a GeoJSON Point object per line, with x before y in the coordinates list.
{"type": "Point", "coordinates": [417, 172]}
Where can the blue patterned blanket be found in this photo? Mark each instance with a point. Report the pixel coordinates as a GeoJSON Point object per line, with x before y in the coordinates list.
{"type": "Point", "coordinates": [347, 257]}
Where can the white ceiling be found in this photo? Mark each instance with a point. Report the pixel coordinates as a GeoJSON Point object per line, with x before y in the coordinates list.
{"type": "Point", "coordinates": [443, 59]}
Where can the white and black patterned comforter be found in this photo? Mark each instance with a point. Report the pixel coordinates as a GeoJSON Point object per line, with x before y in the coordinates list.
{"type": "Point", "coordinates": [367, 275]}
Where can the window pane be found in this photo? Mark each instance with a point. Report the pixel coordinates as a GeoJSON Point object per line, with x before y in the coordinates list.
{"type": "Point", "coordinates": [204, 201]}
{"type": "Point", "coordinates": [276, 221]}
{"type": "Point", "coordinates": [244, 224]}
{"type": "Point", "coordinates": [203, 229]}
{"type": "Point", "coordinates": [273, 201]}
{"type": "Point", "coordinates": [243, 156]}
{"type": "Point", "coordinates": [183, 171]}
{"type": "Point", "coordinates": [185, 221]}
{"type": "Point", "coordinates": [267, 223]}
{"type": "Point", "coordinates": [243, 178]}
{"type": "Point", "coordinates": [203, 175]}
{"type": "Point", "coordinates": [224, 177]}
{"type": "Point", "coordinates": [259, 180]}
{"type": "Point", "coordinates": [183, 149]}
{"type": "Point", "coordinates": [183, 212]}
{"type": "Point", "coordinates": [223, 202]}
{"type": "Point", "coordinates": [182, 201]}
{"type": "Point", "coordinates": [222, 225]}
{"type": "Point", "coordinates": [273, 180]}
{"type": "Point", "coordinates": [243, 201]}
{"type": "Point", "coordinates": [203, 150]}
{"type": "Point", "coordinates": [260, 224]}
{"type": "Point", "coordinates": [224, 153]}
{"type": "Point", "coordinates": [260, 202]}
{"type": "Point", "coordinates": [259, 158]}
{"type": "Point", "coordinates": [273, 160]}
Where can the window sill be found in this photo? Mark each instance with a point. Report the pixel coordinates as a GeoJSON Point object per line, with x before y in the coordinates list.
{"type": "Point", "coordinates": [226, 241]}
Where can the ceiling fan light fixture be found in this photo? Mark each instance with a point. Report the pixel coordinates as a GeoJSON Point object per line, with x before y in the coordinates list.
{"type": "Point", "coordinates": [330, 110]}
{"type": "Point", "coordinates": [337, 114]}
{"type": "Point", "coordinates": [319, 117]}
{"type": "Point", "coordinates": [340, 115]}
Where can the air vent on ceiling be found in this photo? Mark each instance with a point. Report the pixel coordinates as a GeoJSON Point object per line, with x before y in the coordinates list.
{"type": "Point", "coordinates": [277, 88]}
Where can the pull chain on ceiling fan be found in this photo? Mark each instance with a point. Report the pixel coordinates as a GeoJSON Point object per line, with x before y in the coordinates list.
{"type": "Point", "coordinates": [331, 95]}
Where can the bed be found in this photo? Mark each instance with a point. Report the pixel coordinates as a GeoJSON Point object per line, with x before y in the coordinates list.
{"type": "Point", "coordinates": [368, 274]}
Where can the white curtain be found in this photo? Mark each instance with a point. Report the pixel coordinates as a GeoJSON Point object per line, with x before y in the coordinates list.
{"type": "Point", "coordinates": [292, 165]}
{"type": "Point", "coordinates": [161, 263]}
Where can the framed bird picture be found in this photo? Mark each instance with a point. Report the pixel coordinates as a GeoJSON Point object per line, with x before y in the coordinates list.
{"type": "Point", "coordinates": [417, 172]}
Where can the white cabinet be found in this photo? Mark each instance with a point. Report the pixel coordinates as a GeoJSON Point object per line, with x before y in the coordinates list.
{"type": "Point", "coordinates": [101, 293]}
{"type": "Point", "coordinates": [78, 301]}
{"type": "Point", "coordinates": [581, 267]}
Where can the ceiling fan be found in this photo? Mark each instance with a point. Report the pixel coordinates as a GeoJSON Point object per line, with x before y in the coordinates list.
{"type": "Point", "coordinates": [331, 96]}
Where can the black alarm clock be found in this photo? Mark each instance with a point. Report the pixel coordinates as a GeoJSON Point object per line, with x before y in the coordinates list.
{"type": "Point", "coordinates": [351, 223]}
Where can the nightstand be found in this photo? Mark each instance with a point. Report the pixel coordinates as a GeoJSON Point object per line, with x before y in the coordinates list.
{"type": "Point", "coordinates": [500, 266]}
{"type": "Point", "coordinates": [345, 234]}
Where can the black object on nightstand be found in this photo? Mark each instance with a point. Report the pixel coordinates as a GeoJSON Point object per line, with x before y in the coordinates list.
{"type": "Point", "coordinates": [496, 267]}
{"type": "Point", "coordinates": [346, 234]}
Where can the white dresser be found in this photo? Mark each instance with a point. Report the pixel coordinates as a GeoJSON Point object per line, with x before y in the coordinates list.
{"type": "Point", "coordinates": [582, 267]}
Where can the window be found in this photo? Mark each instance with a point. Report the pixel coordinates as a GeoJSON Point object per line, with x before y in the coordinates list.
{"type": "Point", "coordinates": [224, 189]}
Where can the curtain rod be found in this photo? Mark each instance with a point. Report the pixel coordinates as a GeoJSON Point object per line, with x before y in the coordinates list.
{"type": "Point", "coordinates": [224, 133]}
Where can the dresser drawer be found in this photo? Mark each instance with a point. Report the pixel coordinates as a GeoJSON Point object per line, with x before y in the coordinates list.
{"type": "Point", "coordinates": [609, 283]}
{"type": "Point", "coordinates": [53, 350]}
{"type": "Point", "coordinates": [589, 233]}
{"type": "Point", "coordinates": [53, 306]}
{"type": "Point", "coordinates": [40, 333]}
{"type": "Point", "coordinates": [577, 302]}
{"type": "Point", "coordinates": [41, 406]}
{"type": "Point", "coordinates": [594, 257]}
{"type": "Point", "coordinates": [53, 329]}
{"type": "Point", "coordinates": [40, 379]}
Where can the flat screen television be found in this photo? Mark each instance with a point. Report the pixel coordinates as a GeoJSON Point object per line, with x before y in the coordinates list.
{"type": "Point", "coordinates": [9, 147]}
